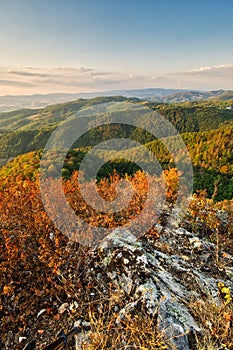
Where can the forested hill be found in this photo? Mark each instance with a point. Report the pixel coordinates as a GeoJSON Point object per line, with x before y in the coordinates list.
{"type": "Point", "coordinates": [206, 128]}
{"type": "Point", "coordinates": [23, 131]}
{"type": "Point", "coordinates": [28, 130]}
{"type": "Point", "coordinates": [197, 116]}
{"type": "Point", "coordinates": [210, 151]}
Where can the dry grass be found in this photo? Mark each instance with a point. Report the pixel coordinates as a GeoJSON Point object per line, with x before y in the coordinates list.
{"type": "Point", "coordinates": [217, 324]}
{"type": "Point", "coordinates": [136, 331]}
{"type": "Point", "coordinates": [139, 332]}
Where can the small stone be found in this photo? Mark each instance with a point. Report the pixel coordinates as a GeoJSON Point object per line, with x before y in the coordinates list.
{"type": "Point", "coordinates": [21, 339]}
{"type": "Point", "coordinates": [42, 311]}
{"type": "Point", "coordinates": [64, 307]}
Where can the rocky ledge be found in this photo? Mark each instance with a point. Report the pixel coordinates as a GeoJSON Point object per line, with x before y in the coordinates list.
{"type": "Point", "coordinates": [160, 273]}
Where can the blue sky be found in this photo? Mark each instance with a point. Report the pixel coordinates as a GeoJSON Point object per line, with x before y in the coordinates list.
{"type": "Point", "coordinates": [121, 44]}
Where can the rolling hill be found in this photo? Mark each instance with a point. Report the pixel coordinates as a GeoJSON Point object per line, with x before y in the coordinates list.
{"type": "Point", "coordinates": [11, 103]}
{"type": "Point", "coordinates": [28, 130]}
{"type": "Point", "coordinates": [210, 152]}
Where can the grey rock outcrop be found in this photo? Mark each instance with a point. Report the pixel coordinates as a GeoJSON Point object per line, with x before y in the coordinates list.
{"type": "Point", "coordinates": [161, 273]}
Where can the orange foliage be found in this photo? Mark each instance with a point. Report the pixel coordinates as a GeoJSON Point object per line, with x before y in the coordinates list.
{"type": "Point", "coordinates": [35, 255]}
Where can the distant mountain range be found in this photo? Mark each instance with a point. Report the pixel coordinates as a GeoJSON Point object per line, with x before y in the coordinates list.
{"type": "Point", "coordinates": [10, 103]}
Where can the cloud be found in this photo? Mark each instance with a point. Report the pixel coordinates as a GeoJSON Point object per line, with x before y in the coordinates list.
{"type": "Point", "coordinates": [5, 82]}
{"type": "Point", "coordinates": [64, 79]}
{"type": "Point", "coordinates": [202, 78]}
{"type": "Point", "coordinates": [213, 68]}
{"type": "Point", "coordinates": [30, 80]}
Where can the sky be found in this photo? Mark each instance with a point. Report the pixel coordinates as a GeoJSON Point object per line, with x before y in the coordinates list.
{"type": "Point", "coordinates": [97, 45]}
